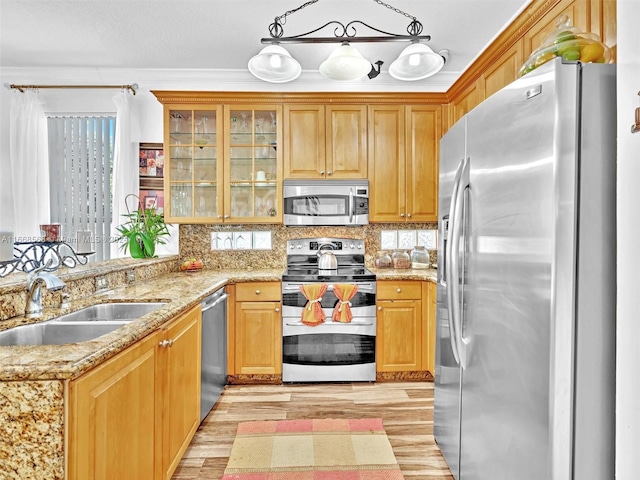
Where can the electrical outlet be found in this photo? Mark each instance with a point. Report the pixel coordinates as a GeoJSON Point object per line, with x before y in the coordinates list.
{"type": "Point", "coordinates": [102, 282]}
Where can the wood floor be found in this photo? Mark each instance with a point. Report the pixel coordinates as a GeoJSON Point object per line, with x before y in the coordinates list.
{"type": "Point", "coordinates": [405, 407]}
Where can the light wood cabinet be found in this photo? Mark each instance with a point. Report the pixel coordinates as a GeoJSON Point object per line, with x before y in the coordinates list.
{"type": "Point", "coordinates": [222, 164]}
{"type": "Point", "coordinates": [134, 415]}
{"type": "Point", "coordinates": [325, 141]}
{"type": "Point", "coordinates": [403, 162]}
{"type": "Point", "coordinates": [465, 102]}
{"type": "Point", "coordinates": [400, 326]}
{"type": "Point", "coordinates": [112, 417]}
{"type": "Point", "coordinates": [257, 325]}
{"type": "Point", "coordinates": [504, 71]}
{"type": "Point", "coordinates": [576, 10]}
{"type": "Point", "coordinates": [179, 353]}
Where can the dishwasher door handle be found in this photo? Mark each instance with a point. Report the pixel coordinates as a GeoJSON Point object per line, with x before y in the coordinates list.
{"type": "Point", "coordinates": [219, 300]}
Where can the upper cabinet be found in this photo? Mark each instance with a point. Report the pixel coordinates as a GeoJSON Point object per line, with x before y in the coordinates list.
{"type": "Point", "coordinates": [325, 141]}
{"type": "Point", "coordinates": [193, 163]}
{"type": "Point", "coordinates": [227, 153]}
{"type": "Point", "coordinates": [403, 162]}
{"type": "Point", "coordinates": [253, 172]}
{"type": "Point", "coordinates": [222, 164]}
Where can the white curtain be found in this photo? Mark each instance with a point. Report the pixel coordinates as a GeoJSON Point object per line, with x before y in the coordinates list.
{"type": "Point", "coordinates": [125, 166]}
{"type": "Point", "coordinates": [29, 163]}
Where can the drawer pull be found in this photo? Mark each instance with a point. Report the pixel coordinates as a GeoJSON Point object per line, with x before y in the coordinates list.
{"type": "Point", "coordinates": [257, 292]}
{"type": "Point", "coordinates": [399, 290]}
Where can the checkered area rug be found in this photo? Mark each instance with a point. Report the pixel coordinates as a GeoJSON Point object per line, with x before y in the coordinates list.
{"type": "Point", "coordinates": [324, 449]}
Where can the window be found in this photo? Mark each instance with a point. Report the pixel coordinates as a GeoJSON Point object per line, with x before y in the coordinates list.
{"type": "Point", "coordinates": [81, 173]}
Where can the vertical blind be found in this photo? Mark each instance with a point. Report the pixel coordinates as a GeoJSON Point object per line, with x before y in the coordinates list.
{"type": "Point", "coordinates": [81, 165]}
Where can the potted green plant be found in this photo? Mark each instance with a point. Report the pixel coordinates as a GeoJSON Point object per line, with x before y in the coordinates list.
{"type": "Point", "coordinates": [144, 230]}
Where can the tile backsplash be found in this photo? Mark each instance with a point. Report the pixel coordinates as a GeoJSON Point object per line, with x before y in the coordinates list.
{"type": "Point", "coordinates": [264, 246]}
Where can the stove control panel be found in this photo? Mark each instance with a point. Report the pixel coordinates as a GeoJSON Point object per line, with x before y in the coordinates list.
{"type": "Point", "coordinates": [339, 246]}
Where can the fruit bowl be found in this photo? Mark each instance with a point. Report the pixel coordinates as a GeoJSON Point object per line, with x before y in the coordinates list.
{"type": "Point", "coordinates": [191, 265]}
{"type": "Point", "coordinates": [569, 43]}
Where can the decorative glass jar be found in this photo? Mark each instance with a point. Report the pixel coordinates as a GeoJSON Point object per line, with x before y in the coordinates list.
{"type": "Point", "coordinates": [401, 259]}
{"type": "Point", "coordinates": [383, 260]}
{"type": "Point", "coordinates": [420, 257]}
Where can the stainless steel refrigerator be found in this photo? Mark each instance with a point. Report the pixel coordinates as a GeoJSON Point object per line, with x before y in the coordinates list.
{"type": "Point", "coordinates": [525, 346]}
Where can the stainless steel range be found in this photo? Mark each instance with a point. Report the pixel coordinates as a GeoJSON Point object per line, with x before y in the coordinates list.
{"type": "Point", "coordinates": [329, 313]}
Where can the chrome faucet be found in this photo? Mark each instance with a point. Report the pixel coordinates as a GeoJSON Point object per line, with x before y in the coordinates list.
{"type": "Point", "coordinates": [37, 279]}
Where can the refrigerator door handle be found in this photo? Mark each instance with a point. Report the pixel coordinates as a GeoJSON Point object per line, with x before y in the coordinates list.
{"type": "Point", "coordinates": [448, 267]}
{"type": "Point", "coordinates": [456, 224]}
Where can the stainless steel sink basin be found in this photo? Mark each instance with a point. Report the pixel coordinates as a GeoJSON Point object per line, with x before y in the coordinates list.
{"type": "Point", "coordinates": [80, 326]}
{"type": "Point", "coordinates": [54, 333]}
{"type": "Point", "coordinates": [122, 311]}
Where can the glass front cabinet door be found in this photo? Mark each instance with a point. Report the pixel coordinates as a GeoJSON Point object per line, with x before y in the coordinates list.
{"type": "Point", "coordinates": [253, 170]}
{"type": "Point", "coordinates": [223, 164]}
{"type": "Point", "coordinates": [194, 173]}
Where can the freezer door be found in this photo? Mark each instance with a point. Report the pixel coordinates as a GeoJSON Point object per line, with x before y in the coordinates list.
{"type": "Point", "coordinates": [521, 206]}
{"type": "Point", "coordinates": [447, 375]}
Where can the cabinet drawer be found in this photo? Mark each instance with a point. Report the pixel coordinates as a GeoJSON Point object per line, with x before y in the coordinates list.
{"type": "Point", "coordinates": [258, 292]}
{"type": "Point", "coordinates": [409, 290]}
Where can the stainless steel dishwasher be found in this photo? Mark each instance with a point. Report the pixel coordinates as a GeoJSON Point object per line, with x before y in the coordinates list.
{"type": "Point", "coordinates": [214, 350]}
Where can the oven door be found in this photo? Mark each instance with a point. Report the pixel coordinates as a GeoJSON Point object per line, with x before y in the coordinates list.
{"type": "Point", "coordinates": [330, 352]}
{"type": "Point", "coordinates": [363, 303]}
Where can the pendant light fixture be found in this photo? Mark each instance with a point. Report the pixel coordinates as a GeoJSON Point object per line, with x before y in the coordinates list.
{"type": "Point", "coordinates": [275, 64]}
{"type": "Point", "coordinates": [417, 61]}
{"type": "Point", "coordinates": [345, 63]}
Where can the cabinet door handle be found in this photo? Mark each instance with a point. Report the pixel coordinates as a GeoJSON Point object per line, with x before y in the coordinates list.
{"type": "Point", "coordinates": [321, 172]}
{"type": "Point", "coordinates": [257, 292]}
{"type": "Point", "coordinates": [379, 309]}
{"type": "Point", "coordinates": [164, 343]}
{"type": "Point", "coordinates": [277, 309]}
{"type": "Point", "coordinates": [409, 215]}
{"type": "Point", "coordinates": [402, 215]}
{"type": "Point", "coordinates": [399, 290]}
{"type": "Point", "coordinates": [329, 172]}
{"type": "Point", "coordinates": [219, 216]}
{"type": "Point", "coordinates": [226, 216]}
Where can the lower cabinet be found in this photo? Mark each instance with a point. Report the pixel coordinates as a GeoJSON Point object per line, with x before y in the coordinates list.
{"type": "Point", "coordinates": [134, 415]}
{"type": "Point", "coordinates": [255, 346]}
{"type": "Point", "coordinates": [405, 319]}
{"type": "Point", "coordinates": [399, 335]}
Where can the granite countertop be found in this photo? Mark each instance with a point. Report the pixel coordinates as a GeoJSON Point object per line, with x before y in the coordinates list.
{"type": "Point", "coordinates": [180, 290]}
{"type": "Point", "coordinates": [427, 274]}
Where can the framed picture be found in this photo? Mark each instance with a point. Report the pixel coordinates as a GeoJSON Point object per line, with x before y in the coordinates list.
{"type": "Point", "coordinates": [153, 198]}
{"type": "Point", "coordinates": [151, 160]}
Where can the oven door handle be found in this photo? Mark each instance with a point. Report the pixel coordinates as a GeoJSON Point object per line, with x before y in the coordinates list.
{"type": "Point", "coordinates": [338, 324]}
{"type": "Point", "coordinates": [294, 287]}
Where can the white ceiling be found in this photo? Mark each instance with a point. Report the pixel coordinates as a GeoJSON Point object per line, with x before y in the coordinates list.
{"type": "Point", "coordinates": [221, 35]}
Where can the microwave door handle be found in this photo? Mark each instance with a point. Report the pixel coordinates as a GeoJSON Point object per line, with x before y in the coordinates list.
{"type": "Point", "coordinates": [351, 205]}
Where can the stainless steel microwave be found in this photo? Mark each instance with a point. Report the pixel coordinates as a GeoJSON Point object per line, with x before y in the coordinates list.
{"type": "Point", "coordinates": [326, 202]}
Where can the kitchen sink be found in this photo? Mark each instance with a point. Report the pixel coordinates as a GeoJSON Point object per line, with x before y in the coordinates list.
{"type": "Point", "coordinates": [107, 312]}
{"type": "Point", "coordinates": [85, 324]}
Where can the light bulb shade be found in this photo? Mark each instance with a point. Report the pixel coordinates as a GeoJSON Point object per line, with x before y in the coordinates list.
{"type": "Point", "coordinates": [274, 64]}
{"type": "Point", "coordinates": [345, 63]}
{"type": "Point", "coordinates": [416, 62]}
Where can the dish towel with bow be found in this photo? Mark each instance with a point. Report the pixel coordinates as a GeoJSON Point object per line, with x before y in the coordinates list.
{"type": "Point", "coordinates": [345, 292]}
{"type": "Point", "coordinates": [312, 313]}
